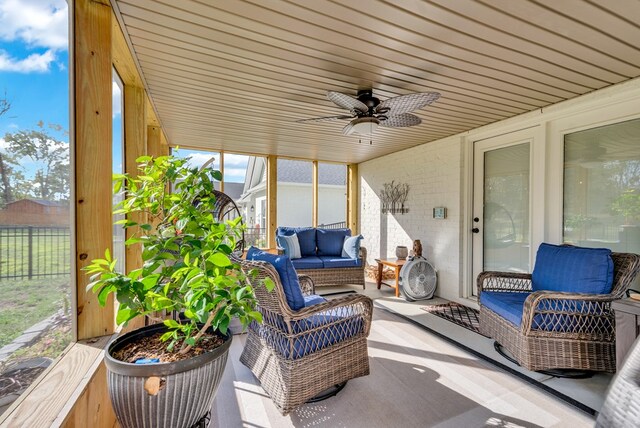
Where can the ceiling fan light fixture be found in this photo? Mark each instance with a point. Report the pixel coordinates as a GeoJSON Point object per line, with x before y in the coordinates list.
{"type": "Point", "coordinates": [364, 125]}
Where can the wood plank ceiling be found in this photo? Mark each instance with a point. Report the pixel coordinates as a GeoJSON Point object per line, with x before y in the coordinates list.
{"type": "Point", "coordinates": [236, 75]}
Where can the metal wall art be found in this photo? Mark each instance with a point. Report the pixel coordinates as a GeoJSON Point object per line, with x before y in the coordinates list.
{"type": "Point", "coordinates": [393, 198]}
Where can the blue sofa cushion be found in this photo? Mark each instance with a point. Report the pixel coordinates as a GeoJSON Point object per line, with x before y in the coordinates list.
{"type": "Point", "coordinates": [290, 245]}
{"type": "Point", "coordinates": [339, 262]}
{"type": "Point", "coordinates": [311, 262]}
{"type": "Point", "coordinates": [351, 246]}
{"type": "Point", "coordinates": [288, 275]}
{"type": "Point", "coordinates": [330, 241]}
{"type": "Point", "coordinates": [508, 305]}
{"type": "Point", "coordinates": [313, 299]}
{"type": "Point", "coordinates": [573, 269]}
{"type": "Point", "coordinates": [306, 238]}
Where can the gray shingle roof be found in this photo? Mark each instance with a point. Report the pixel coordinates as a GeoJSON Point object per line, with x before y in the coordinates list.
{"type": "Point", "coordinates": [293, 171]}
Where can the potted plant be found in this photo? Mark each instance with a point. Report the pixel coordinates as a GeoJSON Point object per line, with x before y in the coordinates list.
{"type": "Point", "coordinates": [166, 374]}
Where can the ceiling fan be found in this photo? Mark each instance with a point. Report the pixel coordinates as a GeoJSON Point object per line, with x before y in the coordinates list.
{"type": "Point", "coordinates": [368, 112]}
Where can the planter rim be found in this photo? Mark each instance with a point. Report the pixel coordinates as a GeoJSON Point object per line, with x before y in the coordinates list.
{"type": "Point", "coordinates": [158, 369]}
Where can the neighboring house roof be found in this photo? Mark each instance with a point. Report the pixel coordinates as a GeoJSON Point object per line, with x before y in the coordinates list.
{"type": "Point", "coordinates": [43, 202]}
{"type": "Point", "coordinates": [233, 190]}
{"type": "Point", "coordinates": [292, 171]}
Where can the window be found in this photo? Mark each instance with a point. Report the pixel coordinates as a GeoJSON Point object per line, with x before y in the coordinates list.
{"type": "Point", "coordinates": [332, 195]}
{"type": "Point", "coordinates": [602, 187]}
{"type": "Point", "coordinates": [245, 180]}
{"type": "Point", "coordinates": [35, 250]}
{"type": "Point", "coordinates": [117, 154]}
{"type": "Point", "coordinates": [295, 193]}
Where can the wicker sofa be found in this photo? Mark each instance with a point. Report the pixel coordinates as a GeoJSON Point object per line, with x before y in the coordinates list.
{"type": "Point", "coordinates": [560, 316]}
{"type": "Point", "coordinates": [305, 343]}
{"type": "Point", "coordinates": [322, 256]}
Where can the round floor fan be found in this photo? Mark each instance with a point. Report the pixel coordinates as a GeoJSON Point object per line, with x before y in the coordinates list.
{"type": "Point", "coordinates": [418, 279]}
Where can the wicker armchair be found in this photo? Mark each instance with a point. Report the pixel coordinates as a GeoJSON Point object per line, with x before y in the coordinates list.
{"type": "Point", "coordinates": [298, 354]}
{"type": "Point", "coordinates": [559, 330]}
{"type": "Point", "coordinates": [621, 406]}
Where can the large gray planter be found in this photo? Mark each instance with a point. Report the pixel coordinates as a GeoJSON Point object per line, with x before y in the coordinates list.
{"type": "Point", "coordinates": [171, 395]}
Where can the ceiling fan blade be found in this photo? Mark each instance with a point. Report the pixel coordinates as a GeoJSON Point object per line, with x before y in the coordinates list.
{"type": "Point", "coordinates": [348, 130]}
{"type": "Point", "coordinates": [324, 119]}
{"type": "Point", "coordinates": [347, 102]}
{"type": "Point", "coordinates": [401, 121]}
{"type": "Point", "coordinates": [406, 103]}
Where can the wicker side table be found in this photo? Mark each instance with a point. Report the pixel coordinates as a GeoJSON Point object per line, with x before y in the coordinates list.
{"type": "Point", "coordinates": [627, 326]}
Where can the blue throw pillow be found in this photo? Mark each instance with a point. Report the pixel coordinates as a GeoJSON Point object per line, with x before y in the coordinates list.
{"type": "Point", "coordinates": [330, 241]}
{"type": "Point", "coordinates": [351, 246]}
{"type": "Point", "coordinates": [290, 245]}
{"type": "Point", "coordinates": [306, 238]}
{"type": "Point", "coordinates": [573, 269]}
{"type": "Point", "coordinates": [288, 275]}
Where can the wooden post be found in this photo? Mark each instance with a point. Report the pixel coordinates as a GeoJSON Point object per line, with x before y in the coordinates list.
{"type": "Point", "coordinates": [314, 189]}
{"type": "Point", "coordinates": [154, 142]}
{"type": "Point", "coordinates": [135, 145]}
{"type": "Point", "coordinates": [222, 171]}
{"type": "Point", "coordinates": [352, 198]}
{"type": "Point", "coordinates": [91, 92]}
{"type": "Point", "coordinates": [272, 200]}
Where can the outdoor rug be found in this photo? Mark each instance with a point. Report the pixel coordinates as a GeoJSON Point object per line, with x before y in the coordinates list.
{"type": "Point", "coordinates": [461, 315]}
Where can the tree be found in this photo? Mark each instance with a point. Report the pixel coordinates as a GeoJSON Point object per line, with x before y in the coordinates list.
{"type": "Point", "coordinates": [51, 158]}
{"type": "Point", "coordinates": [6, 160]}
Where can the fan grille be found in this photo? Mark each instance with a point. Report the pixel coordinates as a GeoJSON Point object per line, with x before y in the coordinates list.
{"type": "Point", "coordinates": [419, 279]}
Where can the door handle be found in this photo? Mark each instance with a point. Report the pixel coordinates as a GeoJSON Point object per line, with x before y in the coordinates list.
{"type": "Point", "coordinates": [475, 230]}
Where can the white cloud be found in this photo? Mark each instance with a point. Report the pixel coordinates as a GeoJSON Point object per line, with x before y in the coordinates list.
{"type": "Point", "coordinates": [3, 144]}
{"type": "Point", "coordinates": [38, 23]}
{"type": "Point", "coordinates": [35, 62]}
{"type": "Point", "coordinates": [116, 99]}
{"type": "Point", "coordinates": [198, 159]}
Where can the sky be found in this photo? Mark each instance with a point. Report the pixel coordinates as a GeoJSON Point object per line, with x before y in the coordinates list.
{"type": "Point", "coordinates": [34, 57]}
{"type": "Point", "coordinates": [34, 77]}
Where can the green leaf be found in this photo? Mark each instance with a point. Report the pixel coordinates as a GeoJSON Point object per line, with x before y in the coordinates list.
{"type": "Point", "coordinates": [145, 226]}
{"type": "Point", "coordinates": [269, 284]}
{"type": "Point", "coordinates": [220, 259]}
{"type": "Point", "coordinates": [124, 315]}
{"type": "Point", "coordinates": [171, 323]}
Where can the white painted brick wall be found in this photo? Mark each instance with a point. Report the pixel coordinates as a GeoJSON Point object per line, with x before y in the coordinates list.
{"type": "Point", "coordinates": [433, 173]}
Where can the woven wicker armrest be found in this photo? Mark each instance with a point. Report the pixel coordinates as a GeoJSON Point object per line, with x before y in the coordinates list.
{"type": "Point", "coordinates": [504, 281]}
{"type": "Point", "coordinates": [363, 255]}
{"type": "Point", "coordinates": [353, 305]}
{"type": "Point", "coordinates": [306, 285]}
{"type": "Point", "coordinates": [583, 312]}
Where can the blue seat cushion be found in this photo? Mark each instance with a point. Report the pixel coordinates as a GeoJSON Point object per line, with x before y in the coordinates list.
{"type": "Point", "coordinates": [312, 338]}
{"type": "Point", "coordinates": [573, 269]}
{"type": "Point", "coordinates": [306, 238]}
{"type": "Point", "coordinates": [313, 299]}
{"type": "Point", "coordinates": [351, 246]}
{"type": "Point", "coordinates": [311, 262]}
{"type": "Point", "coordinates": [330, 241]}
{"type": "Point", "coordinates": [508, 305]}
{"type": "Point", "coordinates": [287, 273]}
{"type": "Point", "coordinates": [339, 262]}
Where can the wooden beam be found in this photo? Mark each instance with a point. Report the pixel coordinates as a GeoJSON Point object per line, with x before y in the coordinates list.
{"type": "Point", "coordinates": [155, 146]}
{"type": "Point", "coordinates": [314, 189]}
{"type": "Point", "coordinates": [92, 157]}
{"type": "Point", "coordinates": [222, 170]}
{"type": "Point", "coordinates": [135, 145]}
{"type": "Point", "coordinates": [352, 198]}
{"type": "Point", "coordinates": [272, 200]}
{"type": "Point", "coordinates": [122, 58]}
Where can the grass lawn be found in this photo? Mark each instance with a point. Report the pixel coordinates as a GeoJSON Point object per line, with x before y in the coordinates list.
{"type": "Point", "coordinates": [24, 303]}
